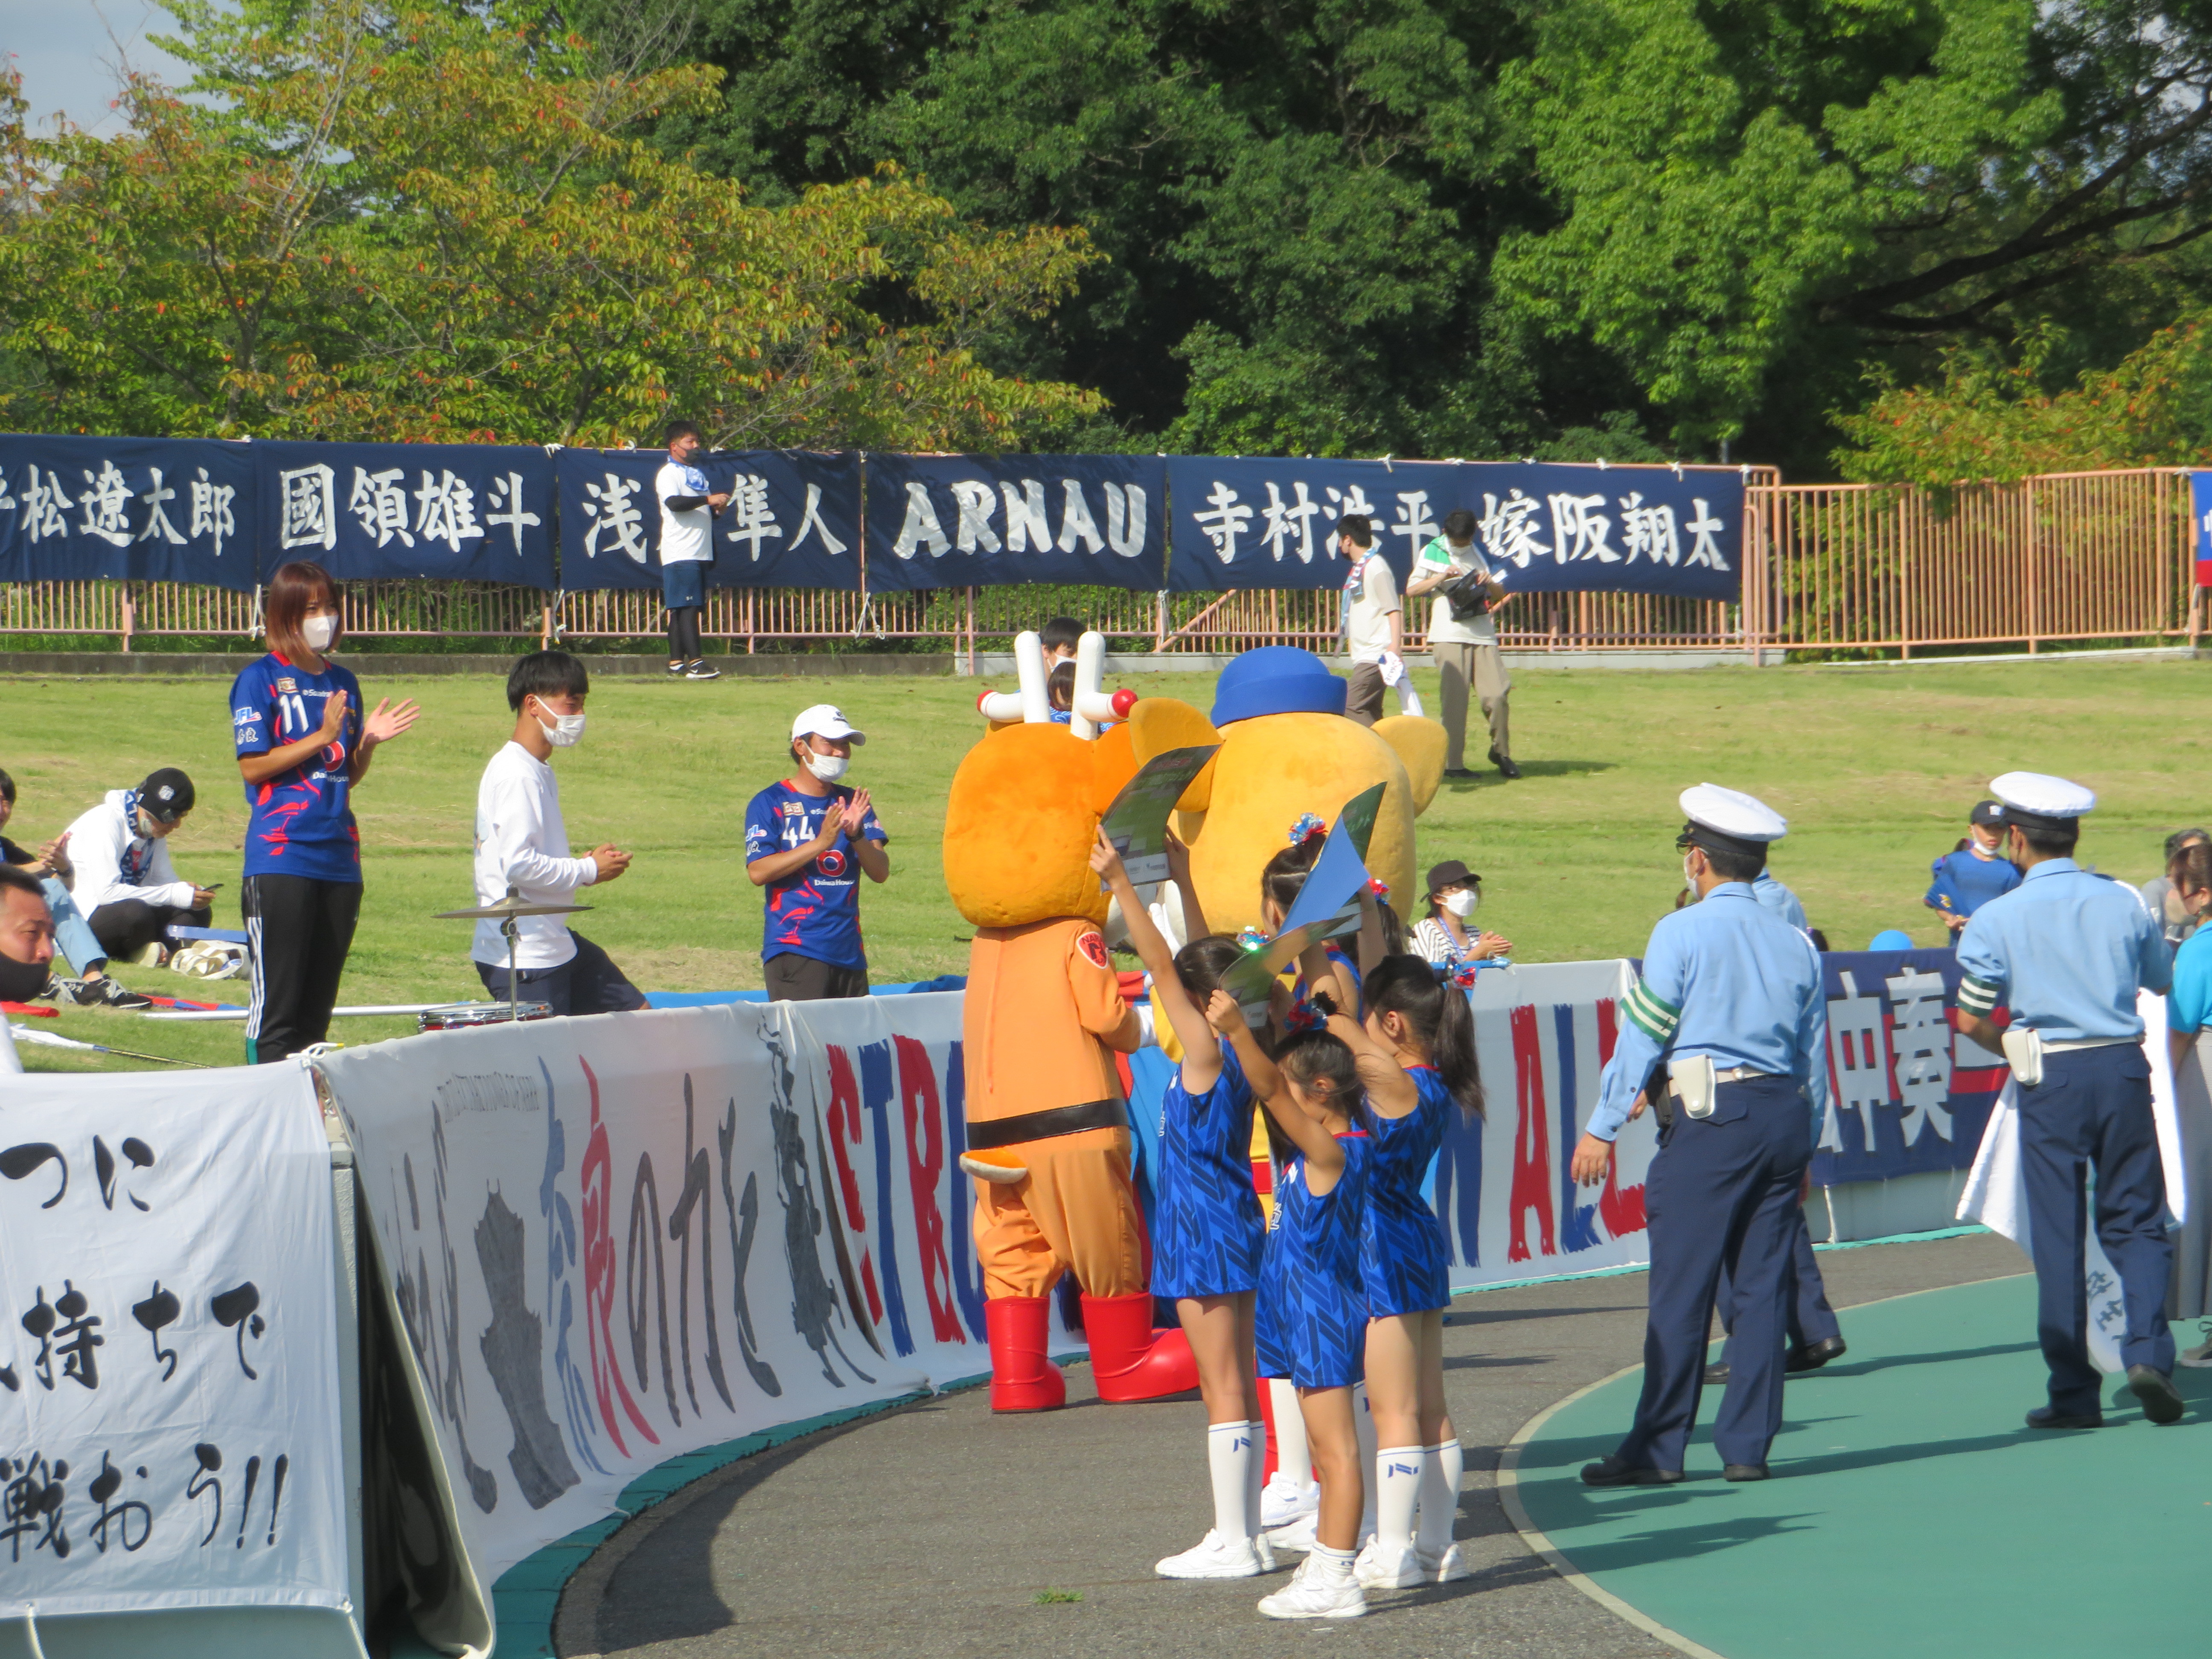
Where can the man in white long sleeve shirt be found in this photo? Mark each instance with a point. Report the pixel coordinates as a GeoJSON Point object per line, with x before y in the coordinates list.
{"type": "Point", "coordinates": [130, 892]}
{"type": "Point", "coordinates": [522, 843]}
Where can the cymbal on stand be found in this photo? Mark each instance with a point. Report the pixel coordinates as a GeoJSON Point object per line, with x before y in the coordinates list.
{"type": "Point", "coordinates": [509, 907]}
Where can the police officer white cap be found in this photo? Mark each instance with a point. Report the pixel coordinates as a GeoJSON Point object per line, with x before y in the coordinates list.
{"type": "Point", "coordinates": [1728, 821]}
{"type": "Point", "coordinates": [2036, 795]}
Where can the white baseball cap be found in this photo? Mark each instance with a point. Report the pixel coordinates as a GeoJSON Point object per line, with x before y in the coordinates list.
{"type": "Point", "coordinates": [824, 720]}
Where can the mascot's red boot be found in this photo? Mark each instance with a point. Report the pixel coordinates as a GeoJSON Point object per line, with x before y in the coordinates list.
{"type": "Point", "coordinates": [1023, 1377]}
{"type": "Point", "coordinates": [1129, 1360]}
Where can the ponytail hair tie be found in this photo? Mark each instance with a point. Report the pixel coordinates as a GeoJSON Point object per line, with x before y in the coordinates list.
{"type": "Point", "coordinates": [1249, 939]}
{"type": "Point", "coordinates": [1379, 887]}
{"type": "Point", "coordinates": [1463, 972]}
{"type": "Point", "coordinates": [1307, 826]}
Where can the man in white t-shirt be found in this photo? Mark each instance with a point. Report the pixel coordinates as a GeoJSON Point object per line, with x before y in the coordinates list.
{"type": "Point", "coordinates": [1465, 646]}
{"type": "Point", "coordinates": [522, 843]}
{"type": "Point", "coordinates": [687, 548]}
{"type": "Point", "coordinates": [1371, 615]}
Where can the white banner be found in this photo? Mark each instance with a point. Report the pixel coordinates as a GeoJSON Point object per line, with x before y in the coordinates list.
{"type": "Point", "coordinates": [169, 1421]}
{"type": "Point", "coordinates": [617, 1239]}
{"type": "Point", "coordinates": [1510, 1211]}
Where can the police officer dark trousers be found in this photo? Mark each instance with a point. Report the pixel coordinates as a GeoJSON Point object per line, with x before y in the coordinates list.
{"type": "Point", "coordinates": [2068, 951]}
{"type": "Point", "coordinates": [1815, 1337]}
{"type": "Point", "coordinates": [1731, 1001]}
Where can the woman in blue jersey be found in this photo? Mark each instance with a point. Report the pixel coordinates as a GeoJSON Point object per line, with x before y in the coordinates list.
{"type": "Point", "coordinates": [1205, 1225]}
{"type": "Point", "coordinates": [303, 743]}
{"type": "Point", "coordinates": [1311, 1320]}
{"type": "Point", "coordinates": [1415, 1054]}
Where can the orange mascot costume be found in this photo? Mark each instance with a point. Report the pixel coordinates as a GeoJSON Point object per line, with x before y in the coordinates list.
{"type": "Point", "coordinates": [1048, 1126]}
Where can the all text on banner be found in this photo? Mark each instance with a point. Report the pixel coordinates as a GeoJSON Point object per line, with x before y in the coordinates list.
{"type": "Point", "coordinates": [169, 1428]}
{"type": "Point", "coordinates": [474, 512]}
{"type": "Point", "coordinates": [618, 1239]}
{"type": "Point", "coordinates": [134, 509]}
{"type": "Point", "coordinates": [956, 521]}
{"type": "Point", "coordinates": [1546, 528]}
{"type": "Point", "coordinates": [793, 520]}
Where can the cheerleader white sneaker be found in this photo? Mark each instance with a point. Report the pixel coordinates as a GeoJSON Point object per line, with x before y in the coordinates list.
{"type": "Point", "coordinates": [1446, 1569]}
{"type": "Point", "coordinates": [1399, 1568]}
{"type": "Point", "coordinates": [1297, 1538]}
{"type": "Point", "coordinates": [1308, 1596]}
{"type": "Point", "coordinates": [1283, 1501]}
{"type": "Point", "coordinates": [1216, 1556]}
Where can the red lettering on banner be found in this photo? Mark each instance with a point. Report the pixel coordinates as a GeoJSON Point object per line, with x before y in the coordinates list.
{"type": "Point", "coordinates": [925, 1171]}
{"type": "Point", "coordinates": [1621, 1208]}
{"type": "Point", "coordinates": [595, 1175]}
{"type": "Point", "coordinates": [1532, 1181]}
{"type": "Point", "coordinates": [844, 1128]}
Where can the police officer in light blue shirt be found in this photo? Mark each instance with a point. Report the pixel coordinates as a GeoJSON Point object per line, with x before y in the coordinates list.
{"type": "Point", "coordinates": [2068, 951]}
{"type": "Point", "coordinates": [1731, 1002]}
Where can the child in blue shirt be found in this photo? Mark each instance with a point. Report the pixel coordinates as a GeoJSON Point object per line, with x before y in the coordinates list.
{"type": "Point", "coordinates": [1970, 876]}
{"type": "Point", "coordinates": [807, 839]}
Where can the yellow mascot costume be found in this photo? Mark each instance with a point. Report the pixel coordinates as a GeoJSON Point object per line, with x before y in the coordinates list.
{"type": "Point", "coordinates": [1286, 750]}
{"type": "Point", "coordinates": [1047, 1126]}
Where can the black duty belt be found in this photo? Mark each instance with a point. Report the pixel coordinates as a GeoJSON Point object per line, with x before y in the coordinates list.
{"type": "Point", "coordinates": [1045, 1125]}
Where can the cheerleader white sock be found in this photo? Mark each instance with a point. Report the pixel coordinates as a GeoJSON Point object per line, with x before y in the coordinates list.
{"type": "Point", "coordinates": [1229, 1458]}
{"type": "Point", "coordinates": [1293, 1454]}
{"type": "Point", "coordinates": [1329, 1567]}
{"type": "Point", "coordinates": [1362, 1421]}
{"type": "Point", "coordinates": [1256, 1471]}
{"type": "Point", "coordinates": [1440, 1478]}
{"type": "Point", "coordinates": [1397, 1492]}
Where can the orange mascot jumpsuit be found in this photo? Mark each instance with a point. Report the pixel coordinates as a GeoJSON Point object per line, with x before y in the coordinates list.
{"type": "Point", "coordinates": [1047, 1128]}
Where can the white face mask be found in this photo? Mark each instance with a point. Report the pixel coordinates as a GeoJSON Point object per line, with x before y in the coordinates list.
{"type": "Point", "coordinates": [566, 730]}
{"type": "Point", "coordinates": [1462, 903]}
{"type": "Point", "coordinates": [828, 767]}
{"type": "Point", "coordinates": [319, 632]}
{"type": "Point", "coordinates": [1689, 876]}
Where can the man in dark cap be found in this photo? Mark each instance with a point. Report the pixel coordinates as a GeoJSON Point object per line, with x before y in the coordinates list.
{"type": "Point", "coordinates": [130, 892]}
{"type": "Point", "coordinates": [1975, 873]}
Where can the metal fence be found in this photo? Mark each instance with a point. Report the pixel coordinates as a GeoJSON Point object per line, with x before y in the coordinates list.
{"type": "Point", "coordinates": [1828, 568]}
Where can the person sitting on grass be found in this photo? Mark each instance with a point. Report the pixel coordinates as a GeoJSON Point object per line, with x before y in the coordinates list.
{"type": "Point", "coordinates": [130, 892]}
{"type": "Point", "coordinates": [50, 866]}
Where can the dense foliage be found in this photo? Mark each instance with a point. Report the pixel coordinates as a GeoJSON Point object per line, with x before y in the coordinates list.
{"type": "Point", "coordinates": [430, 225]}
{"type": "Point", "coordinates": [1942, 233]}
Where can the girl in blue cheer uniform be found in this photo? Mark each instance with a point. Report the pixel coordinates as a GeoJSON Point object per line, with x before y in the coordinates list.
{"type": "Point", "coordinates": [1312, 1314]}
{"type": "Point", "coordinates": [1206, 1230]}
{"type": "Point", "coordinates": [1415, 1055]}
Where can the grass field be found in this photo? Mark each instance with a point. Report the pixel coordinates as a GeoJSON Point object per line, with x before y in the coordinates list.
{"type": "Point", "coordinates": [1875, 767]}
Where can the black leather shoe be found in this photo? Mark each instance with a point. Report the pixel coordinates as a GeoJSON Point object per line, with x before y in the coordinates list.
{"type": "Point", "coordinates": [1611, 1472]}
{"type": "Point", "coordinates": [1457, 772]}
{"type": "Point", "coordinates": [1740, 1472]}
{"type": "Point", "coordinates": [2161, 1401]}
{"type": "Point", "coordinates": [2049, 1417]}
{"type": "Point", "coordinates": [1717, 1374]}
{"type": "Point", "coordinates": [1814, 1355]}
{"type": "Point", "coordinates": [1506, 768]}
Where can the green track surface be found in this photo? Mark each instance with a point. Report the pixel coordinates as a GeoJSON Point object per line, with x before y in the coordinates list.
{"type": "Point", "coordinates": [1911, 1513]}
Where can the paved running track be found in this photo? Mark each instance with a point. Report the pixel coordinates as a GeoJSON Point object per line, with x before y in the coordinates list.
{"type": "Point", "coordinates": [934, 1529]}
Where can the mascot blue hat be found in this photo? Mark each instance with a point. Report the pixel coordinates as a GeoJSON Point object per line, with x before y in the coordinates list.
{"type": "Point", "coordinates": [1276, 679]}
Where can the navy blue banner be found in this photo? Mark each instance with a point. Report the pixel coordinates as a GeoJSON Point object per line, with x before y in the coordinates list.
{"type": "Point", "coordinates": [1907, 1092]}
{"type": "Point", "coordinates": [473, 512]}
{"type": "Point", "coordinates": [957, 520]}
{"type": "Point", "coordinates": [132, 509]}
{"type": "Point", "coordinates": [1546, 528]}
{"type": "Point", "coordinates": [793, 520]}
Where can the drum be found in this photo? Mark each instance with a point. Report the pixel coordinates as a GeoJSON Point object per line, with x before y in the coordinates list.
{"type": "Point", "coordinates": [459, 1016]}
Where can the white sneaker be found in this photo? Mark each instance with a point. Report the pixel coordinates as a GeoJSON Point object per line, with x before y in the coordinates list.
{"type": "Point", "coordinates": [1282, 1501]}
{"type": "Point", "coordinates": [2200, 1357]}
{"type": "Point", "coordinates": [1397, 1570]}
{"type": "Point", "coordinates": [1445, 1569]}
{"type": "Point", "coordinates": [1306, 1597]}
{"type": "Point", "coordinates": [1297, 1537]}
{"type": "Point", "coordinates": [1215, 1556]}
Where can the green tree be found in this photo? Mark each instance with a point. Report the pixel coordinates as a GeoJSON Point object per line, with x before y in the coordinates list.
{"type": "Point", "coordinates": [434, 224]}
